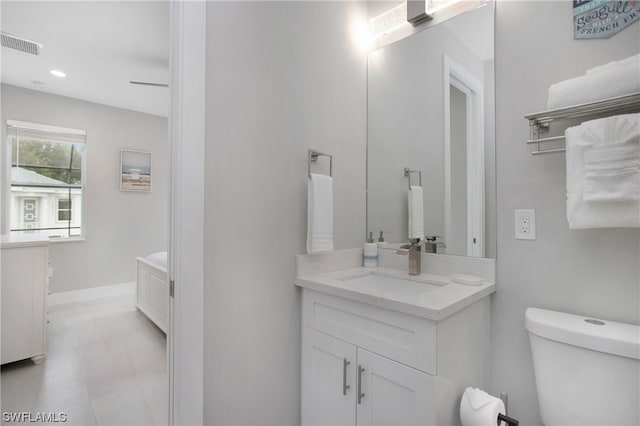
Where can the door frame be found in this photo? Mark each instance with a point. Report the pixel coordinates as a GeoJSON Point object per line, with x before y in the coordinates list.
{"type": "Point", "coordinates": [457, 76]}
{"type": "Point", "coordinates": [186, 201]}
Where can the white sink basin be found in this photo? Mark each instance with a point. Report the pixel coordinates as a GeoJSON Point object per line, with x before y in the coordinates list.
{"type": "Point", "coordinates": [412, 286]}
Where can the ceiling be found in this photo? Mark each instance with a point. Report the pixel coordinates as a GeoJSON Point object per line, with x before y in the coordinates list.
{"type": "Point", "coordinates": [100, 45]}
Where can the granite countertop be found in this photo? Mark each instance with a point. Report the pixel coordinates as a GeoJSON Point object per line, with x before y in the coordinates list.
{"type": "Point", "coordinates": [430, 296]}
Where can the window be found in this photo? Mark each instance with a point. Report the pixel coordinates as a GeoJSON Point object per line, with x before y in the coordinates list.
{"type": "Point", "coordinates": [47, 179]}
{"type": "Point", "coordinates": [64, 209]}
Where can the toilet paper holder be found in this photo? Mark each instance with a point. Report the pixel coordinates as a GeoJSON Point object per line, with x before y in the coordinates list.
{"type": "Point", "coordinates": [510, 421]}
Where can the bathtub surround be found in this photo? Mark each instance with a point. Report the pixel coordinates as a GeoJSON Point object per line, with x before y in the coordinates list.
{"type": "Point", "coordinates": [588, 272]}
{"type": "Point", "coordinates": [119, 225]}
{"type": "Point", "coordinates": [281, 77]}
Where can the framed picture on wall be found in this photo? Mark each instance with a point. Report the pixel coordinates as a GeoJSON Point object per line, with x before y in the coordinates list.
{"type": "Point", "coordinates": [135, 171]}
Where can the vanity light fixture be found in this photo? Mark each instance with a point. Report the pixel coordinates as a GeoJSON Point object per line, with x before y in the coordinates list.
{"type": "Point", "coordinates": [417, 12]}
{"type": "Point", "coordinates": [389, 21]}
{"type": "Point", "coordinates": [58, 73]}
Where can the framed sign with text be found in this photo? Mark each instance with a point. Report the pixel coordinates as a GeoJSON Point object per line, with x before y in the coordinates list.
{"type": "Point", "coordinates": [602, 18]}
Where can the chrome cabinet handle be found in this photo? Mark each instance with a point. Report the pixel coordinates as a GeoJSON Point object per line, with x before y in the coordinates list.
{"type": "Point", "coordinates": [360, 393]}
{"type": "Point", "coordinates": [345, 386]}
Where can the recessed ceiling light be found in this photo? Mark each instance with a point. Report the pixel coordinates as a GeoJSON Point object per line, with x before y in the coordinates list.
{"type": "Point", "coordinates": [58, 73]}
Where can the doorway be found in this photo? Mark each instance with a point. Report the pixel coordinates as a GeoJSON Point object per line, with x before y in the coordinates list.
{"type": "Point", "coordinates": [106, 360]}
{"type": "Point", "coordinates": [464, 161]}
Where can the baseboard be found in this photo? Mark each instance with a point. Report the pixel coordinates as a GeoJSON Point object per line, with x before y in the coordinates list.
{"type": "Point", "coordinates": [92, 293]}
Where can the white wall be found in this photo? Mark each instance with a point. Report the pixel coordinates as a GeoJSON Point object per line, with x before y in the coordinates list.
{"type": "Point", "coordinates": [281, 77]}
{"type": "Point", "coordinates": [119, 225]}
{"type": "Point", "coordinates": [590, 272]}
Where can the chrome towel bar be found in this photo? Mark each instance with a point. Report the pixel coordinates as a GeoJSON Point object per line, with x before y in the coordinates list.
{"type": "Point", "coordinates": [407, 173]}
{"type": "Point", "coordinates": [539, 122]}
{"type": "Point", "coordinates": [313, 156]}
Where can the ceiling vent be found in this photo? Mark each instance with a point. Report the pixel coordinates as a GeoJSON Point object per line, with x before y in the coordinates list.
{"type": "Point", "coordinates": [19, 43]}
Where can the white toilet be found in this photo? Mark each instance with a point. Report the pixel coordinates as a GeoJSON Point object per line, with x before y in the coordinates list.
{"type": "Point", "coordinates": [587, 371]}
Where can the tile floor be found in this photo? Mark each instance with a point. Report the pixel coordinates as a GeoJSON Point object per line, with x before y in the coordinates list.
{"type": "Point", "coordinates": [105, 365]}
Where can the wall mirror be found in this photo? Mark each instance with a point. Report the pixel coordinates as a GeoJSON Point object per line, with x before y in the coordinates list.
{"type": "Point", "coordinates": [431, 110]}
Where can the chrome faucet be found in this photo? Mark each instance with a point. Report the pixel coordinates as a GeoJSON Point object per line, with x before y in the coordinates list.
{"type": "Point", "coordinates": [413, 250]}
{"type": "Point", "coordinates": [431, 244]}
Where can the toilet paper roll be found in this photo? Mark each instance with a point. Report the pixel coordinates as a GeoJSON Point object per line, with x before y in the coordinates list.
{"type": "Point", "coordinates": [478, 408]}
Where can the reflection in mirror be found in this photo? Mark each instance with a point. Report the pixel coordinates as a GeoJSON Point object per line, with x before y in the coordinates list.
{"type": "Point", "coordinates": [431, 109]}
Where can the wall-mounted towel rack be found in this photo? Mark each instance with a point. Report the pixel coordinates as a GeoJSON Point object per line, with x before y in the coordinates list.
{"type": "Point", "coordinates": [407, 173]}
{"type": "Point", "coordinates": [313, 156]}
{"type": "Point", "coordinates": [539, 122]}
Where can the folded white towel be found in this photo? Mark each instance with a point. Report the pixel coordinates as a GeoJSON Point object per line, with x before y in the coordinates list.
{"type": "Point", "coordinates": [319, 213]}
{"type": "Point", "coordinates": [601, 82]}
{"type": "Point", "coordinates": [635, 59]}
{"type": "Point", "coordinates": [612, 171]}
{"type": "Point", "coordinates": [416, 212]}
{"type": "Point", "coordinates": [607, 206]}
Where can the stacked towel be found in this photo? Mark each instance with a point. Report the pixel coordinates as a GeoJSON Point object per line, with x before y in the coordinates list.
{"type": "Point", "coordinates": [631, 60]}
{"type": "Point", "coordinates": [605, 81]}
{"type": "Point", "coordinates": [319, 213]}
{"type": "Point", "coordinates": [612, 172]}
{"type": "Point", "coordinates": [416, 212]}
{"type": "Point", "coordinates": [603, 173]}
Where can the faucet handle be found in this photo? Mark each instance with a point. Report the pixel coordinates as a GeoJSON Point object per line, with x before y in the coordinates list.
{"type": "Point", "coordinates": [432, 238]}
{"type": "Point", "coordinates": [404, 250]}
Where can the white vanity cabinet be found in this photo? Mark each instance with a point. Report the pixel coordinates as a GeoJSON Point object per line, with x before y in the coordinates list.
{"type": "Point", "coordinates": [368, 365]}
{"type": "Point", "coordinates": [24, 287]}
{"type": "Point", "coordinates": [347, 385]}
{"type": "Point", "coordinates": [328, 380]}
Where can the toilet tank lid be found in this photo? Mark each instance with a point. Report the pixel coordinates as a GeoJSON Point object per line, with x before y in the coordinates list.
{"type": "Point", "coordinates": [599, 335]}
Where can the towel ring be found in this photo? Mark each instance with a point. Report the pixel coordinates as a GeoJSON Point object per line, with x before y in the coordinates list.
{"type": "Point", "coordinates": [313, 156]}
{"type": "Point", "coordinates": [407, 173]}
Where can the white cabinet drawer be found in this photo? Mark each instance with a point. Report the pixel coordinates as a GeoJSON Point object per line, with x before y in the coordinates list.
{"type": "Point", "coordinates": [407, 339]}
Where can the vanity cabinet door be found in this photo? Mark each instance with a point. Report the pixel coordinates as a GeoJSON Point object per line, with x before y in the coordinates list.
{"type": "Point", "coordinates": [24, 295]}
{"type": "Point", "coordinates": [328, 380]}
{"type": "Point", "coordinates": [391, 393]}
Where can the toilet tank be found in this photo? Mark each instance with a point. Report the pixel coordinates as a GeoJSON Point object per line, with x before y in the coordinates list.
{"type": "Point", "coordinates": [587, 371]}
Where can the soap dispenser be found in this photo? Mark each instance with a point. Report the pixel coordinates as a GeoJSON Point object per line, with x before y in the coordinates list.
{"type": "Point", "coordinates": [370, 252]}
{"type": "Point", "coordinates": [381, 242]}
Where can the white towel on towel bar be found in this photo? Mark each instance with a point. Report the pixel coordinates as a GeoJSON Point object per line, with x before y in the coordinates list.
{"type": "Point", "coordinates": [319, 213]}
{"type": "Point", "coordinates": [601, 82]}
{"type": "Point", "coordinates": [610, 200]}
{"type": "Point", "coordinates": [612, 171]}
{"type": "Point", "coordinates": [416, 212]}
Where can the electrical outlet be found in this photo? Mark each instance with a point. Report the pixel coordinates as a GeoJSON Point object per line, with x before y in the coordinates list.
{"type": "Point", "coordinates": [525, 224]}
